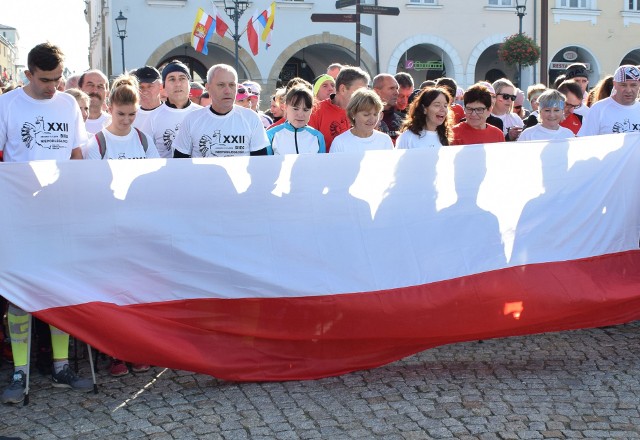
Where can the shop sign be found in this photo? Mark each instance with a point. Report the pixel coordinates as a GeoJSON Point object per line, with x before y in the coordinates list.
{"type": "Point", "coordinates": [423, 65]}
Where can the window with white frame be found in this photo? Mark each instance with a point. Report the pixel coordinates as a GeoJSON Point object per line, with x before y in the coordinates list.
{"type": "Point", "coordinates": [425, 2]}
{"type": "Point", "coordinates": [633, 5]}
{"type": "Point", "coordinates": [577, 10]}
{"type": "Point", "coordinates": [575, 4]}
{"type": "Point", "coordinates": [501, 3]}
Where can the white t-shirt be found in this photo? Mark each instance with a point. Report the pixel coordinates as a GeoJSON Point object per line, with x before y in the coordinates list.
{"type": "Point", "coordinates": [39, 129]}
{"type": "Point", "coordinates": [163, 125]}
{"type": "Point", "coordinates": [583, 110]}
{"type": "Point", "coordinates": [142, 115]}
{"type": "Point", "coordinates": [425, 139]}
{"type": "Point", "coordinates": [348, 143]}
{"type": "Point", "coordinates": [95, 125]}
{"type": "Point", "coordinates": [607, 116]}
{"type": "Point", "coordinates": [205, 134]}
{"type": "Point", "coordinates": [122, 147]}
{"type": "Point", "coordinates": [509, 120]}
{"type": "Point", "coordinates": [540, 133]}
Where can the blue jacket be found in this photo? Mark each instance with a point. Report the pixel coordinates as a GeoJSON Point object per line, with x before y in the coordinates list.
{"type": "Point", "coordinates": [286, 139]}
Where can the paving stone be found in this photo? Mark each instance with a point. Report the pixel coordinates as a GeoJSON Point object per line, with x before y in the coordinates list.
{"type": "Point", "coordinates": [580, 384]}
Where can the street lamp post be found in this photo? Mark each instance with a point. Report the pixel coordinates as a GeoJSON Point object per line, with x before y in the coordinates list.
{"type": "Point", "coordinates": [521, 11]}
{"type": "Point", "coordinates": [235, 9]}
{"type": "Point", "coordinates": [121, 24]}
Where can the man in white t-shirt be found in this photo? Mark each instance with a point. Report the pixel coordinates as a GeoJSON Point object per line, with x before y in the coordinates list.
{"type": "Point", "coordinates": [164, 123]}
{"type": "Point", "coordinates": [619, 113]}
{"type": "Point", "coordinates": [222, 129]}
{"type": "Point", "coordinates": [95, 84]}
{"type": "Point", "coordinates": [150, 85]}
{"type": "Point", "coordinates": [37, 122]}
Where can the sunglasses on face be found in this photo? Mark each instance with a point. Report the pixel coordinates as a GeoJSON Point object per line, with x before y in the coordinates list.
{"type": "Point", "coordinates": [572, 105]}
{"type": "Point", "coordinates": [507, 97]}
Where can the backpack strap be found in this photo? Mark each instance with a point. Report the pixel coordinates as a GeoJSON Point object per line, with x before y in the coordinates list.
{"type": "Point", "coordinates": [143, 140]}
{"type": "Point", "coordinates": [102, 143]}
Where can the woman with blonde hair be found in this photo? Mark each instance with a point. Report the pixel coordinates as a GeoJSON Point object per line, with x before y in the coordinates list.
{"type": "Point", "coordinates": [363, 111]}
{"type": "Point", "coordinates": [120, 140]}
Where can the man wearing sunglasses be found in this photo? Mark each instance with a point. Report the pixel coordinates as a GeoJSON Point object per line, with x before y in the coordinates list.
{"type": "Point", "coordinates": [619, 113]}
{"type": "Point", "coordinates": [505, 96]}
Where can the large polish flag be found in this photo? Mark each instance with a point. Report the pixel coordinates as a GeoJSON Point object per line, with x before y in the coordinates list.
{"type": "Point", "coordinates": [299, 267]}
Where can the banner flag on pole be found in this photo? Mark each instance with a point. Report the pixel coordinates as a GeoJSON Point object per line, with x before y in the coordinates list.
{"type": "Point", "coordinates": [203, 29]}
{"type": "Point", "coordinates": [221, 26]}
{"type": "Point", "coordinates": [252, 35]}
{"type": "Point", "coordinates": [267, 20]}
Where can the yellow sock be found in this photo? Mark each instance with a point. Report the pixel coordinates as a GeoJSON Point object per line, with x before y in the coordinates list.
{"type": "Point", "coordinates": [19, 322]}
{"type": "Point", "coordinates": [59, 344]}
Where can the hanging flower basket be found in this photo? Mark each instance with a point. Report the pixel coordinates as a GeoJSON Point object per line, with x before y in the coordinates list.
{"type": "Point", "coordinates": [519, 49]}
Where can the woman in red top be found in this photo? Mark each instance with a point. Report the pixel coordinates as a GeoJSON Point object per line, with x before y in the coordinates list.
{"type": "Point", "coordinates": [475, 130]}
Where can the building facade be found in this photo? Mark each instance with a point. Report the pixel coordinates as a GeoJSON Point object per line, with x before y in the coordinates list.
{"type": "Point", "coordinates": [603, 34]}
{"type": "Point", "coordinates": [428, 39]}
{"type": "Point", "coordinates": [8, 53]}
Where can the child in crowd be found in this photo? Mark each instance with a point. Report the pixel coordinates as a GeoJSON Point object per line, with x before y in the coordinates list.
{"type": "Point", "coordinates": [427, 123]}
{"type": "Point", "coordinates": [363, 111]}
{"type": "Point", "coordinates": [551, 105]}
{"type": "Point", "coordinates": [295, 136]}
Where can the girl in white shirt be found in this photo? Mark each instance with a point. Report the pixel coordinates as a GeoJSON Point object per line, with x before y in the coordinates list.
{"type": "Point", "coordinates": [119, 140]}
{"type": "Point", "coordinates": [363, 110]}
{"type": "Point", "coordinates": [428, 121]}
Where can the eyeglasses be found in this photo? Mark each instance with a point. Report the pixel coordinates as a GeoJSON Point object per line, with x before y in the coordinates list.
{"type": "Point", "coordinates": [517, 107]}
{"type": "Point", "coordinates": [572, 105]}
{"type": "Point", "coordinates": [507, 97]}
{"type": "Point", "coordinates": [477, 110]}
{"type": "Point", "coordinates": [241, 91]}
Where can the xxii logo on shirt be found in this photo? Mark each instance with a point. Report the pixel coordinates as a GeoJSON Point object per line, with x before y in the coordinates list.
{"type": "Point", "coordinates": [50, 135]}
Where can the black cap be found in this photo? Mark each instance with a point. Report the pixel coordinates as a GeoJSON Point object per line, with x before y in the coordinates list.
{"type": "Point", "coordinates": [147, 74]}
{"type": "Point", "coordinates": [576, 70]}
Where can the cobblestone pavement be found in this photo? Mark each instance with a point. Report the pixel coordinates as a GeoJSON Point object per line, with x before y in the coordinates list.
{"type": "Point", "coordinates": [580, 384]}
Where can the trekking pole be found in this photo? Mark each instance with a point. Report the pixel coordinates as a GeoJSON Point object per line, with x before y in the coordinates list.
{"type": "Point", "coordinates": [26, 387]}
{"type": "Point", "coordinates": [93, 372]}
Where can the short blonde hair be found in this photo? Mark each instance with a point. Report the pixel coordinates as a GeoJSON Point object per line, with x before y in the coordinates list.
{"type": "Point", "coordinates": [363, 100]}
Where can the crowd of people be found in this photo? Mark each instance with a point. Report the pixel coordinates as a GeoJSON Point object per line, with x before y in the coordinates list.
{"type": "Point", "coordinates": [149, 113]}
